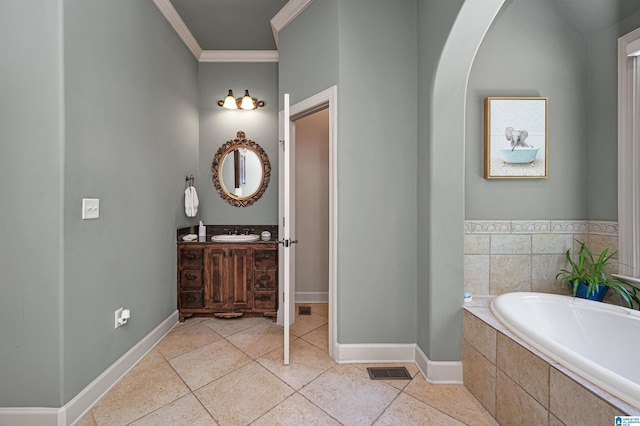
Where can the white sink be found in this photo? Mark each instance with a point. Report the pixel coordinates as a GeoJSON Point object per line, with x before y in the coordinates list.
{"type": "Point", "coordinates": [224, 238]}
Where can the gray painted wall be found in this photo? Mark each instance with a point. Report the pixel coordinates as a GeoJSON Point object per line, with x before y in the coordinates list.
{"type": "Point", "coordinates": [132, 135]}
{"type": "Point", "coordinates": [435, 19]}
{"type": "Point", "coordinates": [120, 125]}
{"type": "Point", "coordinates": [309, 52]}
{"type": "Point", "coordinates": [219, 125]}
{"type": "Point", "coordinates": [546, 59]}
{"type": "Point", "coordinates": [602, 123]}
{"type": "Point", "coordinates": [31, 150]}
{"type": "Point", "coordinates": [371, 47]}
{"type": "Point", "coordinates": [377, 172]}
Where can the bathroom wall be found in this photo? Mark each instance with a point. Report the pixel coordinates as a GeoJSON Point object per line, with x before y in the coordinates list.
{"type": "Point", "coordinates": [131, 117]}
{"type": "Point", "coordinates": [219, 125]}
{"type": "Point", "coordinates": [312, 207]}
{"type": "Point", "coordinates": [31, 190]}
{"type": "Point", "coordinates": [309, 52]}
{"type": "Point", "coordinates": [602, 123]}
{"type": "Point", "coordinates": [368, 50]}
{"type": "Point", "coordinates": [546, 57]}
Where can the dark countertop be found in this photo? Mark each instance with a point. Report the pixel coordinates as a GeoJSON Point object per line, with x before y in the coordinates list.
{"type": "Point", "coordinates": [224, 229]}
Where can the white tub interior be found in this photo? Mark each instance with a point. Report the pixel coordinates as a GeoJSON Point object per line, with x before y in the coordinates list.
{"type": "Point", "coordinates": [595, 340]}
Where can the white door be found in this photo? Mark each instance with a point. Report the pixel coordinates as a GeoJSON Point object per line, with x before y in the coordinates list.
{"type": "Point", "coordinates": [286, 231]}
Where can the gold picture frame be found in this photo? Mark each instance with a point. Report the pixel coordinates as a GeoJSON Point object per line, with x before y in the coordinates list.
{"type": "Point", "coordinates": [516, 137]}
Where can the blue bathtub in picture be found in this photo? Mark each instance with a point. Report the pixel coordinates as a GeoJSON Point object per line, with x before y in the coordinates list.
{"type": "Point", "coordinates": [518, 155]}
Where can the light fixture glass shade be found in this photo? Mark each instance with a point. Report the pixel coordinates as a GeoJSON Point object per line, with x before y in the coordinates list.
{"type": "Point", "coordinates": [230, 101]}
{"type": "Point", "coordinates": [247, 102]}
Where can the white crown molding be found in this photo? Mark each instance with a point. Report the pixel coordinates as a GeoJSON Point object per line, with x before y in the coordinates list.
{"type": "Point", "coordinates": [171, 14]}
{"type": "Point", "coordinates": [288, 13]}
{"type": "Point", "coordinates": [238, 56]}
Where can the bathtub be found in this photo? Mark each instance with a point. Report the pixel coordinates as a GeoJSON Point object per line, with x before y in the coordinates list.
{"type": "Point", "coordinates": [518, 155]}
{"type": "Point", "coordinates": [598, 341]}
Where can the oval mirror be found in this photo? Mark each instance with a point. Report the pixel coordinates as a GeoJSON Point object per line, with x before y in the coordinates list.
{"type": "Point", "coordinates": [240, 171]}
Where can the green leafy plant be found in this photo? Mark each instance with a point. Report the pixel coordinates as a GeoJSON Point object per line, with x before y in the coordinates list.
{"type": "Point", "coordinates": [587, 269]}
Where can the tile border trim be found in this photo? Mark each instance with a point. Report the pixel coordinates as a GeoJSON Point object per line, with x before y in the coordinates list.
{"type": "Point", "coordinates": [541, 227]}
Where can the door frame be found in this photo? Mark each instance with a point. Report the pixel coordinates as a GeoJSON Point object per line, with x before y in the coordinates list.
{"type": "Point", "coordinates": [327, 99]}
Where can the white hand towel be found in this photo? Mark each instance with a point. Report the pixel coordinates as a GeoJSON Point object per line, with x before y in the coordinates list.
{"type": "Point", "coordinates": [191, 201]}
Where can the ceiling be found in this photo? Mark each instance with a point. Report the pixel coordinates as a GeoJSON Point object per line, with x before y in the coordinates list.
{"type": "Point", "coordinates": [593, 16]}
{"type": "Point", "coordinates": [246, 25]}
{"type": "Point", "coordinates": [230, 24]}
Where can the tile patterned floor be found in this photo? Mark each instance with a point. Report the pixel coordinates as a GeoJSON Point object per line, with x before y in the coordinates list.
{"type": "Point", "coordinates": [211, 371]}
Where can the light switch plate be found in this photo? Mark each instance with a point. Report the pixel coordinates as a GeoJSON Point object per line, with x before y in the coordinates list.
{"type": "Point", "coordinates": [90, 208]}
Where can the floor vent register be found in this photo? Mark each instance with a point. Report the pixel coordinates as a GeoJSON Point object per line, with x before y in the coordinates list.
{"type": "Point", "coordinates": [388, 373]}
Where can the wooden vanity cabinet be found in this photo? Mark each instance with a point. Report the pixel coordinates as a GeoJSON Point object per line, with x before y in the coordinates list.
{"type": "Point", "coordinates": [223, 278]}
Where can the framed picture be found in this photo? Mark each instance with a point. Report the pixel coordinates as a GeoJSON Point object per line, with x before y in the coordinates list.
{"type": "Point", "coordinates": [515, 137]}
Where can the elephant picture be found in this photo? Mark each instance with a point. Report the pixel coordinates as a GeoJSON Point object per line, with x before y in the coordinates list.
{"type": "Point", "coordinates": [517, 138]}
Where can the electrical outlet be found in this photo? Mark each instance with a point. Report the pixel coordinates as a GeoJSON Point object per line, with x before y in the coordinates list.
{"type": "Point", "coordinates": [118, 316]}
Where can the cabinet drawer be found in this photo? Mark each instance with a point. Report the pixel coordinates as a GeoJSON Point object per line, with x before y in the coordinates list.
{"type": "Point", "coordinates": [191, 299]}
{"type": "Point", "coordinates": [266, 279]}
{"type": "Point", "coordinates": [191, 279]}
{"type": "Point", "coordinates": [191, 257]}
{"type": "Point", "coordinates": [265, 300]}
{"type": "Point", "coordinates": [264, 258]}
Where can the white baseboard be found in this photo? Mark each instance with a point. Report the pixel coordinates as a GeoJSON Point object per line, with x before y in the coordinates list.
{"type": "Point", "coordinates": [374, 352]}
{"type": "Point", "coordinates": [29, 416]}
{"type": "Point", "coordinates": [312, 297]}
{"type": "Point", "coordinates": [440, 372]}
{"type": "Point", "coordinates": [75, 409]}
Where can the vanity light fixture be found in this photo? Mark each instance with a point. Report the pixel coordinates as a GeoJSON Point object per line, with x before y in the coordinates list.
{"type": "Point", "coordinates": [245, 103]}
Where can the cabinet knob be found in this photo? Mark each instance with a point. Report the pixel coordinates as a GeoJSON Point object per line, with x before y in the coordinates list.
{"type": "Point", "coordinates": [265, 277]}
{"type": "Point", "coordinates": [190, 256]}
{"type": "Point", "coordinates": [191, 298]}
{"type": "Point", "coordinates": [191, 277]}
{"type": "Point", "coordinates": [265, 256]}
{"type": "Point", "coordinates": [265, 298]}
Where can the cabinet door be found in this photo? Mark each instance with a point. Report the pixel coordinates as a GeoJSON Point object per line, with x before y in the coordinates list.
{"type": "Point", "coordinates": [216, 278]}
{"type": "Point", "coordinates": [240, 278]}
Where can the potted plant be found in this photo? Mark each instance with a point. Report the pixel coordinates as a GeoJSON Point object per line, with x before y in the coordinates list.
{"type": "Point", "coordinates": [588, 279]}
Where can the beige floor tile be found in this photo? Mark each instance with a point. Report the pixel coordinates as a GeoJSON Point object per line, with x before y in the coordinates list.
{"type": "Point", "coordinates": [154, 357]}
{"type": "Point", "coordinates": [186, 339]}
{"type": "Point", "coordinates": [243, 395]}
{"type": "Point", "coordinates": [347, 394]}
{"type": "Point", "coordinates": [398, 384]}
{"type": "Point", "coordinates": [454, 400]}
{"type": "Point", "coordinates": [208, 363]}
{"type": "Point", "coordinates": [307, 323]}
{"type": "Point", "coordinates": [296, 411]}
{"type": "Point", "coordinates": [185, 411]}
{"type": "Point", "coordinates": [228, 326]}
{"type": "Point", "coordinates": [406, 410]}
{"type": "Point", "coordinates": [138, 394]}
{"type": "Point", "coordinates": [306, 362]}
{"type": "Point", "coordinates": [87, 420]}
{"type": "Point", "coordinates": [319, 338]}
{"type": "Point", "coordinates": [259, 339]}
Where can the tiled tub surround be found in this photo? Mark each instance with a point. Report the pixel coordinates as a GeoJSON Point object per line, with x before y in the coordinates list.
{"type": "Point", "coordinates": [519, 385]}
{"type": "Point", "coordinates": [512, 255]}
